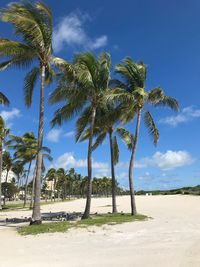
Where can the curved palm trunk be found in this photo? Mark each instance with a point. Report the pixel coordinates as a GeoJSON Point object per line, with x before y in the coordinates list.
{"type": "Point", "coordinates": [114, 205]}
{"type": "Point", "coordinates": [89, 163]}
{"type": "Point", "coordinates": [131, 166]}
{"type": "Point", "coordinates": [1, 155]}
{"type": "Point", "coordinates": [36, 216]}
{"type": "Point", "coordinates": [26, 184]}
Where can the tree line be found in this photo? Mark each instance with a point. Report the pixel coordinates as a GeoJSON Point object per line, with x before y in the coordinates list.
{"type": "Point", "coordinates": [101, 103]}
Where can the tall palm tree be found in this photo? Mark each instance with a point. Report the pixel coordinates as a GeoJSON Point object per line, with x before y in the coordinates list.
{"type": "Point", "coordinates": [33, 24]}
{"type": "Point", "coordinates": [83, 88]}
{"type": "Point", "coordinates": [3, 133]}
{"type": "Point", "coordinates": [132, 91]}
{"type": "Point", "coordinates": [107, 120]}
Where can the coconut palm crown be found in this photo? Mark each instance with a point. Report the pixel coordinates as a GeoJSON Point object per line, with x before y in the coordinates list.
{"type": "Point", "coordinates": [83, 88]}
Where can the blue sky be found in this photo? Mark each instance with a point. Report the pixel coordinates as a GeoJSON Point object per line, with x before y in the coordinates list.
{"type": "Point", "coordinates": [166, 36]}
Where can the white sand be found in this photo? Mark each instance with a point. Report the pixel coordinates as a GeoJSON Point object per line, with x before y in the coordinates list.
{"type": "Point", "coordinates": [171, 238]}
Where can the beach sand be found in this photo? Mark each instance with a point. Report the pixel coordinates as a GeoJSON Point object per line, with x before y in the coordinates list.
{"type": "Point", "coordinates": [171, 238]}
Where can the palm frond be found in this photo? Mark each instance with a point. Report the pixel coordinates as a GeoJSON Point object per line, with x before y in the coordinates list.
{"type": "Point", "coordinates": [169, 102]}
{"type": "Point", "coordinates": [29, 84]}
{"type": "Point", "coordinates": [126, 137]}
{"type": "Point", "coordinates": [155, 95]}
{"type": "Point", "coordinates": [150, 124]}
{"type": "Point", "coordinates": [82, 122]}
{"type": "Point", "coordinates": [99, 140]}
{"type": "Point", "coordinates": [4, 100]}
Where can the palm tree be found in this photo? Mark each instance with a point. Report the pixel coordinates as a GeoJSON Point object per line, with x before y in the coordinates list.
{"type": "Point", "coordinates": [18, 169]}
{"type": "Point", "coordinates": [26, 151]}
{"type": "Point", "coordinates": [33, 23]}
{"type": "Point", "coordinates": [107, 118]}
{"type": "Point", "coordinates": [3, 133]}
{"type": "Point", "coordinates": [62, 182]}
{"type": "Point", "coordinates": [83, 88]}
{"type": "Point", "coordinates": [131, 90]}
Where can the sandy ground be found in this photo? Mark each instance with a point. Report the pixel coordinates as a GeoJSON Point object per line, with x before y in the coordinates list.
{"type": "Point", "coordinates": [171, 238]}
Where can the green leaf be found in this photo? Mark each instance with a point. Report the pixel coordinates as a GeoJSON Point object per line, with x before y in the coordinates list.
{"type": "Point", "coordinates": [29, 85]}
{"type": "Point", "coordinates": [150, 124]}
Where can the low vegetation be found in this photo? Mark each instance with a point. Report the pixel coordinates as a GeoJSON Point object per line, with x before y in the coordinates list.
{"type": "Point", "coordinates": [95, 220]}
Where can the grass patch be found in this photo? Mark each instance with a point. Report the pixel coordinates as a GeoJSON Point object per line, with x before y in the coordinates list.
{"type": "Point", "coordinates": [95, 220]}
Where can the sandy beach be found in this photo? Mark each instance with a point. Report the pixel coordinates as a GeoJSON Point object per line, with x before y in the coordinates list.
{"type": "Point", "coordinates": [170, 238]}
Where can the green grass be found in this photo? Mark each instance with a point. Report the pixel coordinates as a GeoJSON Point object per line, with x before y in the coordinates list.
{"type": "Point", "coordinates": [95, 220]}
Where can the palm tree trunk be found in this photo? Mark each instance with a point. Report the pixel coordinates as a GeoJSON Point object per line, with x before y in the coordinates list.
{"type": "Point", "coordinates": [131, 166]}
{"type": "Point", "coordinates": [26, 184]}
{"type": "Point", "coordinates": [89, 163]}
{"type": "Point", "coordinates": [1, 155]}
{"type": "Point", "coordinates": [33, 188]}
{"type": "Point", "coordinates": [114, 205]}
{"type": "Point", "coordinates": [36, 216]}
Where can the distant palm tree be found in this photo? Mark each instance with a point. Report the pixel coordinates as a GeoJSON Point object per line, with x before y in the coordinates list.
{"type": "Point", "coordinates": [132, 92]}
{"type": "Point", "coordinates": [3, 133]}
{"type": "Point", "coordinates": [33, 23]}
{"type": "Point", "coordinates": [83, 88]}
{"type": "Point", "coordinates": [62, 182]}
{"type": "Point", "coordinates": [18, 169]}
{"type": "Point", "coordinates": [26, 151]}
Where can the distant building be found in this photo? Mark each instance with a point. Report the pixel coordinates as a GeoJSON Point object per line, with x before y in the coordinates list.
{"type": "Point", "coordinates": [11, 175]}
{"type": "Point", "coordinates": [50, 185]}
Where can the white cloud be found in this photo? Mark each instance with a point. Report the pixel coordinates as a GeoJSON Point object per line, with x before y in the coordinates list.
{"type": "Point", "coordinates": [70, 31]}
{"type": "Point", "coordinates": [99, 42]}
{"type": "Point", "coordinates": [68, 160]}
{"type": "Point", "coordinates": [185, 115]}
{"type": "Point", "coordinates": [167, 161]}
{"type": "Point", "coordinates": [164, 161]}
{"type": "Point", "coordinates": [54, 135]}
{"type": "Point", "coordinates": [8, 116]}
{"type": "Point", "coordinates": [69, 134]}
